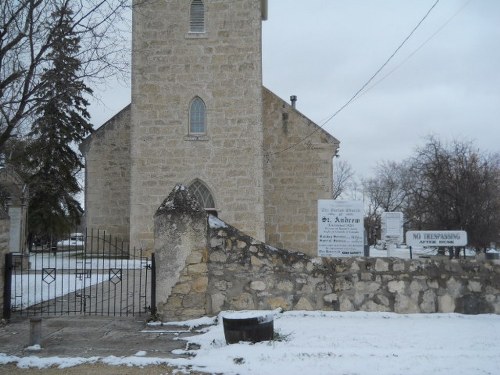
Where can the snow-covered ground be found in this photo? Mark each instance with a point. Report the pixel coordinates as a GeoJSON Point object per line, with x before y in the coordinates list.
{"type": "Point", "coordinates": [333, 343]}
{"type": "Point", "coordinates": [309, 342]}
{"type": "Point", "coordinates": [417, 252]}
{"type": "Point", "coordinates": [74, 260]}
{"type": "Point", "coordinates": [61, 274]}
{"type": "Point", "coordinates": [29, 290]}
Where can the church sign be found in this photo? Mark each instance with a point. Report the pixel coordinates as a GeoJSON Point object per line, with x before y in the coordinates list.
{"type": "Point", "coordinates": [392, 226]}
{"type": "Point", "coordinates": [340, 228]}
{"type": "Point", "coordinates": [436, 238]}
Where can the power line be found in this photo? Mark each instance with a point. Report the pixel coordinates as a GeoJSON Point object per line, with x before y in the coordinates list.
{"type": "Point", "coordinates": [419, 47]}
{"type": "Point", "coordinates": [362, 87]}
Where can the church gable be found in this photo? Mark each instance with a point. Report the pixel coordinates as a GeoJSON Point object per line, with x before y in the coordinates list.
{"type": "Point", "coordinates": [279, 113]}
{"type": "Point", "coordinates": [119, 122]}
{"type": "Point", "coordinates": [107, 176]}
{"type": "Point", "coordinates": [297, 172]}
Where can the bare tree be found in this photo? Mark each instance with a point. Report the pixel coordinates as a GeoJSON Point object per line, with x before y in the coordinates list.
{"type": "Point", "coordinates": [389, 189]}
{"type": "Point", "coordinates": [442, 187]}
{"type": "Point", "coordinates": [342, 177]}
{"type": "Point", "coordinates": [457, 187]}
{"type": "Point", "coordinates": [26, 37]}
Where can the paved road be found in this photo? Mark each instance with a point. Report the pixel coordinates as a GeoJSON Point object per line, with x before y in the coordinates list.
{"type": "Point", "coordinates": [98, 369]}
{"type": "Point", "coordinates": [88, 336]}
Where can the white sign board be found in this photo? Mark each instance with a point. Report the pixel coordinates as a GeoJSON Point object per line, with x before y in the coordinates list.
{"type": "Point", "coordinates": [392, 226]}
{"type": "Point", "coordinates": [340, 228]}
{"type": "Point", "coordinates": [436, 238]}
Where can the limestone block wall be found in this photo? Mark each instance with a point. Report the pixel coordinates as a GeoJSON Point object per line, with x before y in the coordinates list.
{"type": "Point", "coordinates": [294, 178]}
{"type": "Point", "coordinates": [107, 165]}
{"type": "Point", "coordinates": [244, 274]}
{"type": "Point", "coordinates": [223, 67]}
{"type": "Point", "coordinates": [220, 268]}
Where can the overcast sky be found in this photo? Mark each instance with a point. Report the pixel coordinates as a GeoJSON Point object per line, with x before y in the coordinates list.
{"type": "Point", "coordinates": [444, 81]}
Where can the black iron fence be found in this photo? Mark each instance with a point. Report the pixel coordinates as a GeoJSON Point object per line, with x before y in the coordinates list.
{"type": "Point", "coordinates": [89, 274]}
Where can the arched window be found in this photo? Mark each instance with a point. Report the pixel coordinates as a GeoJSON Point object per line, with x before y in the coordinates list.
{"type": "Point", "coordinates": [197, 117]}
{"type": "Point", "coordinates": [197, 17]}
{"type": "Point", "coordinates": [202, 194]}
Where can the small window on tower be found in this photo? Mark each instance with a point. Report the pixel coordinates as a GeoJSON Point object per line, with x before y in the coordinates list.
{"type": "Point", "coordinates": [197, 17]}
{"type": "Point", "coordinates": [197, 117]}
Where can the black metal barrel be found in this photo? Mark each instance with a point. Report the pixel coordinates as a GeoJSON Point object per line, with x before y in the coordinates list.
{"type": "Point", "coordinates": [251, 329]}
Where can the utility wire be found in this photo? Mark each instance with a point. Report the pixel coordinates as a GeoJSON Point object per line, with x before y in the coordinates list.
{"type": "Point", "coordinates": [362, 87]}
{"type": "Point", "coordinates": [418, 48]}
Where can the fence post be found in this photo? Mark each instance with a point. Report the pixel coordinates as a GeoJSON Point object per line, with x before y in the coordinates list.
{"type": "Point", "coordinates": [7, 286]}
{"type": "Point", "coordinates": [153, 285]}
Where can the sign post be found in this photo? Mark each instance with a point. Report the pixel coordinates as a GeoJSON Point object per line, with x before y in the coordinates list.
{"type": "Point", "coordinates": [340, 228]}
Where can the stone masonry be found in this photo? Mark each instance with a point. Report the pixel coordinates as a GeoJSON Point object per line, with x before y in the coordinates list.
{"type": "Point", "coordinates": [290, 174]}
{"type": "Point", "coordinates": [180, 250]}
{"type": "Point", "coordinates": [224, 269]}
{"type": "Point", "coordinates": [107, 176]}
{"type": "Point", "coordinates": [223, 67]}
{"type": "Point", "coordinates": [139, 155]}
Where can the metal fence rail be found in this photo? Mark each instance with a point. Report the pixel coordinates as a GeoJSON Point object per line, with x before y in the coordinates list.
{"type": "Point", "coordinates": [96, 276]}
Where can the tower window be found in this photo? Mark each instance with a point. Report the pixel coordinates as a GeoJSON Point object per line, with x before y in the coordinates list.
{"type": "Point", "coordinates": [202, 194]}
{"type": "Point", "coordinates": [197, 117]}
{"type": "Point", "coordinates": [197, 17]}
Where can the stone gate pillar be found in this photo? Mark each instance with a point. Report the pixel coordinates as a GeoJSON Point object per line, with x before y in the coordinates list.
{"type": "Point", "coordinates": [13, 220]}
{"type": "Point", "coordinates": [180, 245]}
{"type": "Point", "coordinates": [18, 195]}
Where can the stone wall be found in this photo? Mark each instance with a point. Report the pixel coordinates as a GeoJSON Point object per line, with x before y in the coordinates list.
{"type": "Point", "coordinates": [228, 270]}
{"type": "Point", "coordinates": [246, 275]}
{"type": "Point", "coordinates": [294, 179]}
{"type": "Point", "coordinates": [107, 165]}
{"type": "Point", "coordinates": [181, 257]}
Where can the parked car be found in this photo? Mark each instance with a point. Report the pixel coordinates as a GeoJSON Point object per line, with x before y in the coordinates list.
{"type": "Point", "coordinates": [76, 241]}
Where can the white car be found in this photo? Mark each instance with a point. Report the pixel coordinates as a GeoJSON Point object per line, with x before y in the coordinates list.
{"type": "Point", "coordinates": [76, 241]}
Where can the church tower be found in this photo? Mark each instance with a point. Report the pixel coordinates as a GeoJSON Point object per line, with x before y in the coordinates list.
{"type": "Point", "coordinates": [197, 110]}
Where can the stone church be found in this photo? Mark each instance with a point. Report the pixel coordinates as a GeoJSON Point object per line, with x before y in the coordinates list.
{"type": "Point", "coordinates": [200, 116]}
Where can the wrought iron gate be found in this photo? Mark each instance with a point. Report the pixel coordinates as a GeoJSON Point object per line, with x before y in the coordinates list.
{"type": "Point", "coordinates": [90, 276]}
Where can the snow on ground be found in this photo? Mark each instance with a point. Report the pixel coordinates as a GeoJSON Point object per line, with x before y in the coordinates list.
{"type": "Point", "coordinates": [61, 274]}
{"type": "Point", "coordinates": [307, 342]}
{"type": "Point", "coordinates": [417, 252]}
{"type": "Point", "coordinates": [29, 290]}
{"type": "Point", "coordinates": [360, 343]}
{"type": "Point", "coordinates": [75, 260]}
{"type": "Point", "coordinates": [354, 343]}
